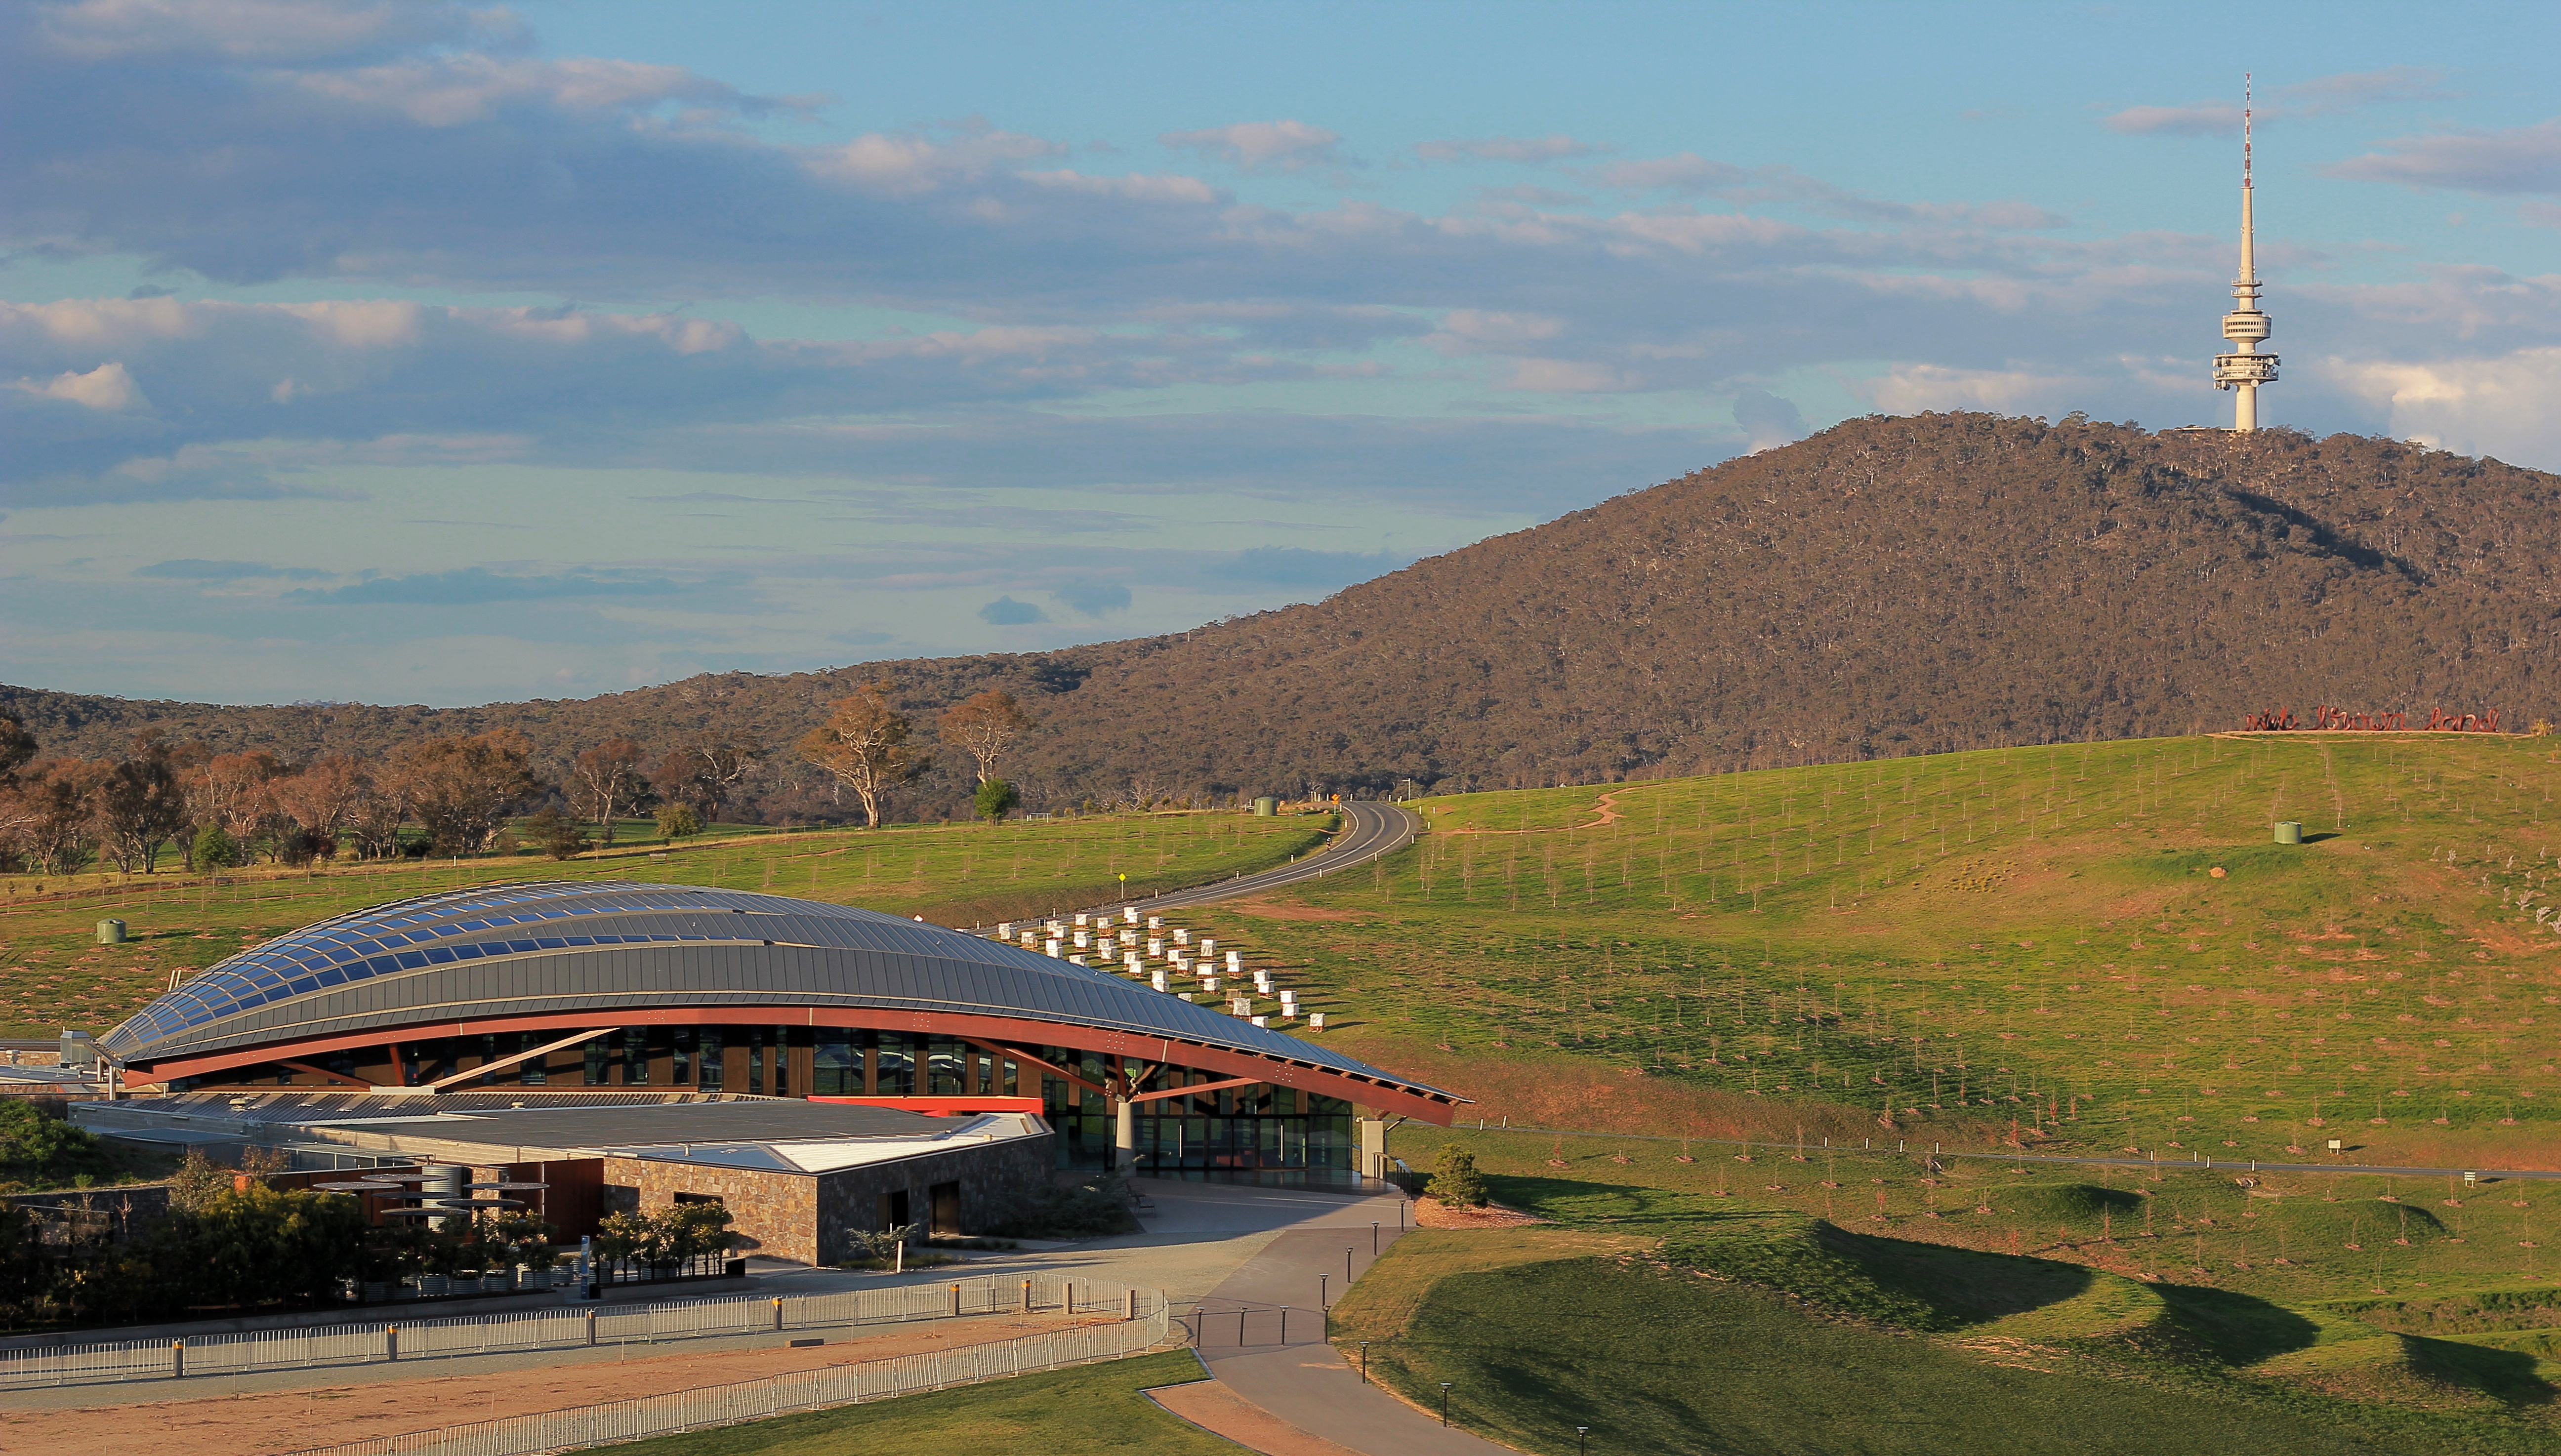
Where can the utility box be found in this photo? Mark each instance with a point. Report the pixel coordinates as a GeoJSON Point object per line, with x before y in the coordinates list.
{"type": "Point", "coordinates": [79, 1048]}
{"type": "Point", "coordinates": [2290, 832]}
{"type": "Point", "coordinates": [1266, 807]}
{"type": "Point", "coordinates": [110, 932]}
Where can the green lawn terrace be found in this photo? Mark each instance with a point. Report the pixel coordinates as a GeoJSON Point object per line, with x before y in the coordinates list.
{"type": "Point", "coordinates": [1785, 1305]}
{"type": "Point", "coordinates": [2030, 944]}
{"type": "Point", "coordinates": [53, 974]}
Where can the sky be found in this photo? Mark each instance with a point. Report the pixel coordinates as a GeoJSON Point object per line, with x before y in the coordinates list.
{"type": "Point", "coordinates": [427, 352]}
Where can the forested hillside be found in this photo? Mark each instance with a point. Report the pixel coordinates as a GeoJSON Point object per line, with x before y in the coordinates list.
{"type": "Point", "coordinates": [1890, 586]}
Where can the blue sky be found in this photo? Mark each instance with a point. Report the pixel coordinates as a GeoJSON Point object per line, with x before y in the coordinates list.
{"type": "Point", "coordinates": [425, 352]}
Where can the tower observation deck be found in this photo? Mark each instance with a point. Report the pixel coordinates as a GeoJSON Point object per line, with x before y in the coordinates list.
{"type": "Point", "coordinates": [2245, 368]}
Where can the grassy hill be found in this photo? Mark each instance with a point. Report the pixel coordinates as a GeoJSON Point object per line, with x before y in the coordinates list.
{"type": "Point", "coordinates": [2093, 947]}
{"type": "Point", "coordinates": [1888, 588]}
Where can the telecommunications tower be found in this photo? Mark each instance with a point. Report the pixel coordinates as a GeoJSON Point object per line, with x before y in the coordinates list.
{"type": "Point", "coordinates": [2246, 368]}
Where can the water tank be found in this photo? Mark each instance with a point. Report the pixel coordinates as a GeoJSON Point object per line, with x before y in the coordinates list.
{"type": "Point", "coordinates": [1266, 807]}
{"type": "Point", "coordinates": [110, 932]}
{"type": "Point", "coordinates": [2290, 832]}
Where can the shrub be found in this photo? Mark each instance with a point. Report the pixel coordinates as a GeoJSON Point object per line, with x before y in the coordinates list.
{"type": "Point", "coordinates": [38, 1150]}
{"type": "Point", "coordinates": [1455, 1180]}
{"type": "Point", "coordinates": [678, 821]}
{"type": "Point", "coordinates": [994, 798]}
{"type": "Point", "coordinates": [559, 838]}
{"type": "Point", "coordinates": [211, 849]}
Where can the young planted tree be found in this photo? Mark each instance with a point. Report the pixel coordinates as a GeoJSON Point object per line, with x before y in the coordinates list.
{"type": "Point", "coordinates": [606, 780]}
{"type": "Point", "coordinates": [1455, 1183]}
{"type": "Point", "coordinates": [987, 725]}
{"type": "Point", "coordinates": [863, 743]}
{"type": "Point", "coordinates": [993, 799]}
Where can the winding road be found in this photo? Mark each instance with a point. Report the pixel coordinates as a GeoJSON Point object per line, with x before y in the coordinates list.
{"type": "Point", "coordinates": [1369, 830]}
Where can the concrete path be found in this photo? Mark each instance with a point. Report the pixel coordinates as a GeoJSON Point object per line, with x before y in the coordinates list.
{"type": "Point", "coordinates": [1219, 1251]}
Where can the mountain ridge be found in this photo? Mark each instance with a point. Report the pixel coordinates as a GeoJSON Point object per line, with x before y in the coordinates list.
{"type": "Point", "coordinates": [1889, 586]}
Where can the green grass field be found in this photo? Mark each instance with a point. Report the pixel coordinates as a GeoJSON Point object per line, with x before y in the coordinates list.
{"type": "Point", "coordinates": [2030, 944]}
{"type": "Point", "coordinates": [1088, 1410]}
{"type": "Point", "coordinates": [1671, 1317]}
{"type": "Point", "coordinates": [53, 974]}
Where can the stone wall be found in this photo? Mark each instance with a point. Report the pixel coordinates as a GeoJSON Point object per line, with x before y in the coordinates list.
{"type": "Point", "coordinates": [992, 1178]}
{"type": "Point", "coordinates": [774, 1214]}
{"type": "Point", "coordinates": [803, 1217]}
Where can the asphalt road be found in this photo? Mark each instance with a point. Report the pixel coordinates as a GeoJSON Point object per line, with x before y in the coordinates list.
{"type": "Point", "coordinates": [1369, 830]}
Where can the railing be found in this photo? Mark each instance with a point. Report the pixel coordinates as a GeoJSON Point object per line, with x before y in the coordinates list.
{"type": "Point", "coordinates": [718, 1405]}
{"type": "Point", "coordinates": [557, 1328]}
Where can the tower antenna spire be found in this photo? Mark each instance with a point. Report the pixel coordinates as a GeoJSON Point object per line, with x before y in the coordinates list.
{"type": "Point", "coordinates": [2245, 368]}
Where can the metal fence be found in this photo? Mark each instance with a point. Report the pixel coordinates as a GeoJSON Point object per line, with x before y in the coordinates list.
{"type": "Point", "coordinates": [718, 1405]}
{"type": "Point", "coordinates": [554, 1327]}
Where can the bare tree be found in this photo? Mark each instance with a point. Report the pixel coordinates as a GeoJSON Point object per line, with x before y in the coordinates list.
{"type": "Point", "coordinates": [705, 773]}
{"type": "Point", "coordinates": [864, 744]}
{"type": "Point", "coordinates": [230, 789]}
{"type": "Point", "coordinates": [58, 817]}
{"type": "Point", "coordinates": [320, 801]}
{"type": "Point", "coordinates": [606, 779]}
{"type": "Point", "coordinates": [987, 725]}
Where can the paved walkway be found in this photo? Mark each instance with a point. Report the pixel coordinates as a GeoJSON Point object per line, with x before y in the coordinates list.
{"type": "Point", "coordinates": [1222, 1252]}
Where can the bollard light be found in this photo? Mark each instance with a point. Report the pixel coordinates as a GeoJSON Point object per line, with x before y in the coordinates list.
{"type": "Point", "coordinates": [1445, 1402]}
{"type": "Point", "coordinates": [1364, 1354]}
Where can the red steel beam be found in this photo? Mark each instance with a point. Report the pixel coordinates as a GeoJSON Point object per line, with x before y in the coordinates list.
{"type": "Point", "coordinates": [1436, 1108]}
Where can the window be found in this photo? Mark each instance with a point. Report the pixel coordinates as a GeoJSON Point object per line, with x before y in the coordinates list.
{"type": "Point", "coordinates": [838, 1066]}
{"type": "Point", "coordinates": [714, 1067]}
{"type": "Point", "coordinates": [636, 1056]}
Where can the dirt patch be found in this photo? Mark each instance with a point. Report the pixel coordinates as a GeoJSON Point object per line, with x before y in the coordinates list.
{"type": "Point", "coordinates": [1221, 1412]}
{"type": "Point", "coordinates": [1433, 1214]}
{"type": "Point", "coordinates": [1267, 910]}
{"type": "Point", "coordinates": [261, 1423]}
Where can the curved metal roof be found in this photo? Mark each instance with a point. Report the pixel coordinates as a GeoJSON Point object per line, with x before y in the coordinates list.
{"type": "Point", "coordinates": [545, 946]}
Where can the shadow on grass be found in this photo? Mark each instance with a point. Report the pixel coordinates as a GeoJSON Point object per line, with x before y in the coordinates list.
{"type": "Point", "coordinates": [2235, 1329]}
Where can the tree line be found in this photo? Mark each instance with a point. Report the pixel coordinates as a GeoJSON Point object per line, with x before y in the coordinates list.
{"type": "Point", "coordinates": [445, 796]}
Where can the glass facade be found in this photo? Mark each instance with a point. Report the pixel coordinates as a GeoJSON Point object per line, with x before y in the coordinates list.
{"type": "Point", "coordinates": [1259, 1132]}
{"type": "Point", "coordinates": [1256, 1132]}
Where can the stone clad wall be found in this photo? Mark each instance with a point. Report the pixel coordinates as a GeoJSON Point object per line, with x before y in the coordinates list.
{"type": "Point", "coordinates": [804, 1216]}
{"type": "Point", "coordinates": [992, 1177]}
{"type": "Point", "coordinates": [775, 1213]}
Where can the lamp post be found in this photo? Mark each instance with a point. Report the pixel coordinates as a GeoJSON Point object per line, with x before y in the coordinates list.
{"type": "Point", "coordinates": [1445, 1402]}
{"type": "Point", "coordinates": [1364, 1354]}
{"type": "Point", "coordinates": [1373, 1238]}
{"type": "Point", "coordinates": [1323, 1301]}
{"type": "Point", "coordinates": [1582, 1438]}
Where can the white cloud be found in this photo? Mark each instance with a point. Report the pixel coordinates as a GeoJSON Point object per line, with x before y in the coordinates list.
{"type": "Point", "coordinates": [2519, 159]}
{"type": "Point", "coordinates": [2496, 406]}
{"type": "Point", "coordinates": [1256, 146]}
{"type": "Point", "coordinates": [1527, 149]}
{"type": "Point", "coordinates": [256, 31]}
{"type": "Point", "coordinates": [1911, 388]}
{"type": "Point", "coordinates": [106, 387]}
{"type": "Point", "coordinates": [453, 91]}
{"type": "Point", "coordinates": [2325, 96]}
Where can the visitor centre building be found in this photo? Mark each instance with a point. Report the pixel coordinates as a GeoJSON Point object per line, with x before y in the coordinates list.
{"type": "Point", "coordinates": [689, 992]}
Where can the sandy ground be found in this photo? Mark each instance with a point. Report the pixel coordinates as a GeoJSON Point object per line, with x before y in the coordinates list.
{"type": "Point", "coordinates": [1432, 1214]}
{"type": "Point", "coordinates": [273, 1421]}
{"type": "Point", "coordinates": [1221, 1411]}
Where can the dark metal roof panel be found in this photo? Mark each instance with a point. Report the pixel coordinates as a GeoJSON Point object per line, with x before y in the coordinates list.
{"type": "Point", "coordinates": [568, 946]}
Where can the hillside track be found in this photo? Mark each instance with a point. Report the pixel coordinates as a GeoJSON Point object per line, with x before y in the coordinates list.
{"type": "Point", "coordinates": [1370, 832]}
